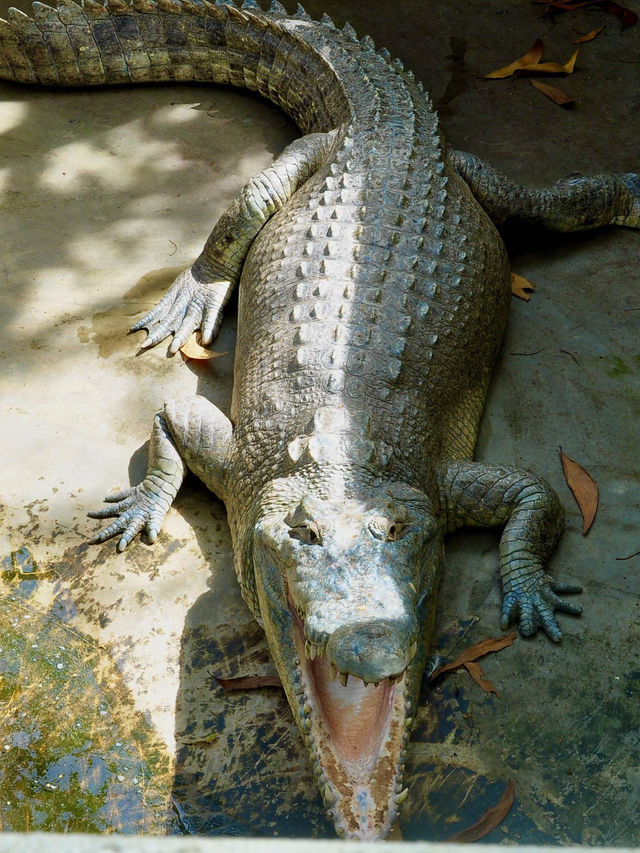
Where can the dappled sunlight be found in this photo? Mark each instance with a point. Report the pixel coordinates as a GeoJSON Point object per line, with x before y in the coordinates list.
{"type": "Point", "coordinates": [140, 192]}
{"type": "Point", "coordinates": [12, 114]}
{"type": "Point", "coordinates": [116, 164]}
{"type": "Point", "coordinates": [126, 243]}
{"type": "Point", "coordinates": [175, 114]}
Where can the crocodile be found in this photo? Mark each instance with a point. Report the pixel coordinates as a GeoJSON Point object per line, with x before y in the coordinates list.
{"type": "Point", "coordinates": [373, 294]}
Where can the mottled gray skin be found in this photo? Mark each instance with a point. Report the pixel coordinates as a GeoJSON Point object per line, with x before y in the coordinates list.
{"type": "Point", "coordinates": [374, 291]}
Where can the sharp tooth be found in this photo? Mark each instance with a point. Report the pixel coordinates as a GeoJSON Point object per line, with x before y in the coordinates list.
{"type": "Point", "coordinates": [306, 708]}
{"type": "Point", "coordinates": [408, 722]}
{"type": "Point", "coordinates": [307, 648]}
{"type": "Point", "coordinates": [314, 651]}
{"type": "Point", "coordinates": [333, 671]}
{"type": "Point", "coordinates": [402, 795]}
{"type": "Point", "coordinates": [329, 796]}
{"type": "Point", "coordinates": [413, 587]}
{"type": "Point", "coordinates": [344, 677]}
{"type": "Point", "coordinates": [413, 649]}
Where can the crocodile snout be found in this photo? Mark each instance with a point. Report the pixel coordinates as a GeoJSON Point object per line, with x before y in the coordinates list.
{"type": "Point", "coordinates": [374, 650]}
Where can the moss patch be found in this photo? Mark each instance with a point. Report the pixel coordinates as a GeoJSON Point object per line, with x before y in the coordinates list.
{"type": "Point", "coordinates": [76, 756]}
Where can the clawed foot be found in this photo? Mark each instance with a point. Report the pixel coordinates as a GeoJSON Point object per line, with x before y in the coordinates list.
{"type": "Point", "coordinates": [188, 305]}
{"type": "Point", "coordinates": [136, 508]}
{"type": "Point", "coordinates": [534, 603]}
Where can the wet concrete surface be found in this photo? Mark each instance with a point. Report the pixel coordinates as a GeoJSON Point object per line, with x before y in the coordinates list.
{"type": "Point", "coordinates": [105, 195]}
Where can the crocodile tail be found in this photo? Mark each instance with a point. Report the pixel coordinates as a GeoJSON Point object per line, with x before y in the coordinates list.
{"type": "Point", "coordinates": [150, 41]}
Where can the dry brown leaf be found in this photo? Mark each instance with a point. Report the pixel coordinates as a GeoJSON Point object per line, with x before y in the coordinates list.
{"type": "Point", "coordinates": [477, 650]}
{"type": "Point", "coordinates": [477, 673]}
{"type": "Point", "coordinates": [248, 682]}
{"type": "Point", "coordinates": [550, 67]}
{"type": "Point", "coordinates": [193, 349]}
{"type": "Point", "coordinates": [584, 488]}
{"type": "Point", "coordinates": [627, 17]}
{"type": "Point", "coordinates": [566, 5]}
{"type": "Point", "coordinates": [521, 286]}
{"type": "Point", "coordinates": [589, 36]}
{"type": "Point", "coordinates": [531, 57]}
{"type": "Point", "coordinates": [490, 819]}
{"type": "Point", "coordinates": [553, 92]}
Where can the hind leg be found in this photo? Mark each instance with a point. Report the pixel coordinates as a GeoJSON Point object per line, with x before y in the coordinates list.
{"type": "Point", "coordinates": [574, 203]}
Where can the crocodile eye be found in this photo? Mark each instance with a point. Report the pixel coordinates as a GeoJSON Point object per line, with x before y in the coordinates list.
{"type": "Point", "coordinates": [387, 529]}
{"type": "Point", "coordinates": [308, 532]}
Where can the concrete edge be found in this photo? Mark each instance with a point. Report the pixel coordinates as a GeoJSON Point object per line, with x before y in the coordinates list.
{"type": "Point", "coordinates": [38, 842]}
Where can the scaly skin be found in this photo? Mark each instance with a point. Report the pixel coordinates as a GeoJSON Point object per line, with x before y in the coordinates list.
{"type": "Point", "coordinates": [374, 292]}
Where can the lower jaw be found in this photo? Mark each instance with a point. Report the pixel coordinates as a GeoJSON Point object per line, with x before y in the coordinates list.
{"type": "Point", "coordinates": [356, 735]}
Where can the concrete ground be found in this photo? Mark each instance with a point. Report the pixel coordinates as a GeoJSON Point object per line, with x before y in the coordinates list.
{"type": "Point", "coordinates": [111, 719]}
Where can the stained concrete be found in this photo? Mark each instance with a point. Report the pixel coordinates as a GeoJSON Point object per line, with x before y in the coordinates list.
{"type": "Point", "coordinates": [105, 195]}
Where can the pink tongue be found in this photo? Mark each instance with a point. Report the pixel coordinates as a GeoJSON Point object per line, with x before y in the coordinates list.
{"type": "Point", "coordinates": [356, 716]}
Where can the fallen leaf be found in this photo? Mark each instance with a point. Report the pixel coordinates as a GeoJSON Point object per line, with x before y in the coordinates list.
{"type": "Point", "coordinates": [531, 57]}
{"type": "Point", "coordinates": [589, 36]}
{"type": "Point", "coordinates": [248, 682]}
{"type": "Point", "coordinates": [566, 5]}
{"type": "Point", "coordinates": [550, 67]}
{"type": "Point", "coordinates": [193, 349]}
{"type": "Point", "coordinates": [477, 650]}
{"type": "Point", "coordinates": [477, 673]}
{"type": "Point", "coordinates": [521, 286]}
{"type": "Point", "coordinates": [553, 92]}
{"type": "Point", "coordinates": [584, 488]}
{"type": "Point", "coordinates": [492, 818]}
{"type": "Point", "coordinates": [627, 17]}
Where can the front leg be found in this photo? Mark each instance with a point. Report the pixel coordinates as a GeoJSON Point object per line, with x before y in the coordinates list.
{"type": "Point", "coordinates": [479, 495]}
{"type": "Point", "coordinates": [190, 434]}
{"type": "Point", "coordinates": [196, 298]}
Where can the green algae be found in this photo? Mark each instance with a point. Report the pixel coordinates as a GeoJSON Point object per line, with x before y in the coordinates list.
{"type": "Point", "coordinates": [76, 756]}
{"type": "Point", "coordinates": [618, 367]}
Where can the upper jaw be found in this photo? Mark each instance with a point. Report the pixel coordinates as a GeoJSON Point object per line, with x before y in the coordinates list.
{"type": "Point", "coordinates": [369, 649]}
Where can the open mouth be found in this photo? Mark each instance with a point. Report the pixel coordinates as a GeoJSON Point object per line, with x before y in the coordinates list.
{"type": "Point", "coordinates": [357, 733]}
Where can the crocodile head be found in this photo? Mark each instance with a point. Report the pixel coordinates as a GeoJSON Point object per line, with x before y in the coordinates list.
{"type": "Point", "coordinates": [347, 590]}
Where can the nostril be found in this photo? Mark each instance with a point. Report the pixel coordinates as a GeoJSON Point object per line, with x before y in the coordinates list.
{"type": "Point", "coordinates": [309, 533]}
{"type": "Point", "coordinates": [387, 529]}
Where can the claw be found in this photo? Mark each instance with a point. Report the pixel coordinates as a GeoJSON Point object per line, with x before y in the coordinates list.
{"type": "Point", "coordinates": [117, 497]}
{"type": "Point", "coordinates": [564, 588]}
{"type": "Point", "coordinates": [189, 304]}
{"type": "Point", "coordinates": [535, 605]}
{"type": "Point", "coordinates": [142, 506]}
{"type": "Point", "coordinates": [116, 527]}
{"type": "Point", "coordinates": [559, 603]}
